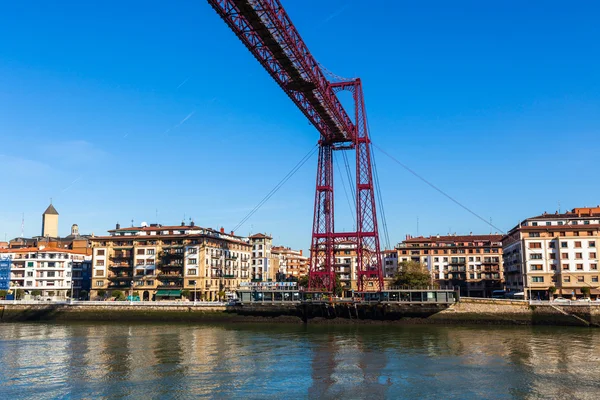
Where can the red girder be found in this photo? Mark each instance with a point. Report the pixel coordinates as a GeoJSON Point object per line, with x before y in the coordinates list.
{"type": "Point", "coordinates": [266, 30]}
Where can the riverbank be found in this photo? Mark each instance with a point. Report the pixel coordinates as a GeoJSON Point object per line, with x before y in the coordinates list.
{"type": "Point", "coordinates": [466, 311]}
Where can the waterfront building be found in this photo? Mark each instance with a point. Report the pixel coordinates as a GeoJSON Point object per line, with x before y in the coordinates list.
{"type": "Point", "coordinates": [158, 262]}
{"type": "Point", "coordinates": [49, 270]}
{"type": "Point", "coordinates": [471, 262]}
{"type": "Point", "coordinates": [291, 263]}
{"type": "Point", "coordinates": [345, 266]}
{"type": "Point", "coordinates": [262, 259]}
{"type": "Point", "coordinates": [554, 250]}
{"type": "Point", "coordinates": [390, 263]}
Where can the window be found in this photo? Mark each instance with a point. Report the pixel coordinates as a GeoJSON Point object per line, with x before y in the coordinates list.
{"type": "Point", "coordinates": [594, 279]}
{"type": "Point", "coordinates": [552, 256]}
{"type": "Point", "coordinates": [577, 245]}
{"type": "Point", "coordinates": [99, 272]}
{"type": "Point", "coordinates": [537, 279]}
{"type": "Point", "coordinates": [192, 261]}
{"type": "Point", "coordinates": [141, 252]}
{"type": "Point", "coordinates": [564, 245]}
{"type": "Point", "coordinates": [100, 263]}
{"type": "Point", "coordinates": [192, 250]}
{"type": "Point", "coordinates": [150, 252]}
{"type": "Point", "coordinates": [560, 222]}
{"type": "Point", "coordinates": [576, 233]}
{"type": "Point", "coordinates": [567, 279]}
{"type": "Point", "coordinates": [192, 271]}
{"type": "Point", "coordinates": [30, 263]}
{"type": "Point", "coordinates": [150, 282]}
{"type": "Point", "coordinates": [140, 262]}
{"type": "Point", "coordinates": [99, 283]}
{"type": "Point", "coordinates": [51, 274]}
{"type": "Point", "coordinates": [562, 233]}
{"type": "Point", "coordinates": [586, 222]}
{"type": "Point", "coordinates": [574, 222]}
{"type": "Point", "coordinates": [594, 266]}
{"type": "Point", "coordinates": [534, 224]}
{"type": "Point", "coordinates": [534, 234]}
{"type": "Point", "coordinates": [535, 256]}
{"type": "Point", "coordinates": [580, 266]}
{"type": "Point", "coordinates": [579, 256]}
{"type": "Point", "coordinates": [591, 243]}
{"type": "Point", "coordinates": [548, 223]}
{"type": "Point", "coordinates": [29, 274]}
{"type": "Point", "coordinates": [580, 279]}
{"type": "Point", "coordinates": [535, 245]}
{"type": "Point", "coordinates": [552, 245]}
{"type": "Point", "coordinates": [590, 233]}
{"type": "Point", "coordinates": [565, 266]}
{"type": "Point", "coordinates": [564, 256]}
{"type": "Point", "coordinates": [100, 252]}
{"type": "Point", "coordinates": [536, 267]}
{"type": "Point", "coordinates": [592, 255]}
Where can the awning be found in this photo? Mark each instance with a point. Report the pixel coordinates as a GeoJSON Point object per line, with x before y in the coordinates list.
{"type": "Point", "coordinates": [168, 293]}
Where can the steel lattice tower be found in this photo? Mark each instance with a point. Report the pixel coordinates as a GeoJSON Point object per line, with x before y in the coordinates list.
{"type": "Point", "coordinates": [266, 30]}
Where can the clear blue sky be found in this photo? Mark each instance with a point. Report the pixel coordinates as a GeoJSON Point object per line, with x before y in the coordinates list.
{"type": "Point", "coordinates": [116, 109]}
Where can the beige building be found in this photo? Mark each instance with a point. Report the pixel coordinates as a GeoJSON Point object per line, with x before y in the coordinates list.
{"type": "Point", "coordinates": [159, 262]}
{"type": "Point", "coordinates": [291, 263]}
{"type": "Point", "coordinates": [264, 265]}
{"type": "Point", "coordinates": [554, 250]}
{"type": "Point", "coordinates": [50, 222]}
{"type": "Point", "coordinates": [471, 262]}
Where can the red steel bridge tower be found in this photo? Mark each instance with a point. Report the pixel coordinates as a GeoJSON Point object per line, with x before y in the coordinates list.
{"type": "Point", "coordinates": [267, 31]}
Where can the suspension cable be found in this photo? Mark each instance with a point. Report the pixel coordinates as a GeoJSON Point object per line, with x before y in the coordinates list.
{"type": "Point", "coordinates": [380, 201]}
{"type": "Point", "coordinates": [277, 187]}
{"type": "Point", "coordinates": [406, 167]}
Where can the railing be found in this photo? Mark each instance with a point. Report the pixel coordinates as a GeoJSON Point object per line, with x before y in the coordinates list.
{"type": "Point", "coordinates": [116, 303]}
{"type": "Point", "coordinates": [564, 303]}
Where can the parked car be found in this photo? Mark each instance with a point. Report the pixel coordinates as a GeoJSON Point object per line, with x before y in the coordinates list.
{"type": "Point", "coordinates": [561, 300]}
{"type": "Point", "coordinates": [585, 299]}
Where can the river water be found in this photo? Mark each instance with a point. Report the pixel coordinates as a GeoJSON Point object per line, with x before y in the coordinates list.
{"type": "Point", "coordinates": [152, 361]}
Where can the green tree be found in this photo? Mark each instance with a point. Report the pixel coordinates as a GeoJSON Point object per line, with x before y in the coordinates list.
{"type": "Point", "coordinates": [83, 294]}
{"type": "Point", "coordinates": [185, 293]}
{"type": "Point", "coordinates": [221, 295]}
{"type": "Point", "coordinates": [552, 290]}
{"type": "Point", "coordinates": [118, 295]}
{"type": "Point", "coordinates": [303, 282]}
{"type": "Point", "coordinates": [51, 294]}
{"type": "Point", "coordinates": [585, 291]}
{"type": "Point", "coordinates": [20, 294]}
{"type": "Point", "coordinates": [412, 274]}
{"type": "Point", "coordinates": [338, 289]}
{"type": "Point", "coordinates": [3, 293]}
{"type": "Point", "coordinates": [101, 293]}
{"type": "Point", "coordinates": [36, 292]}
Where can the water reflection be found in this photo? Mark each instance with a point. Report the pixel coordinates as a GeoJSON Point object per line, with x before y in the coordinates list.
{"type": "Point", "coordinates": [275, 361]}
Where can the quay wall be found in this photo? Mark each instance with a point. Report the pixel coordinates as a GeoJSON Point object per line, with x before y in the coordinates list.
{"type": "Point", "coordinates": [466, 311]}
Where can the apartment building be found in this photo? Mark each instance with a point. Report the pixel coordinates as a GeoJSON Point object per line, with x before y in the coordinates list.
{"type": "Point", "coordinates": [345, 266]}
{"type": "Point", "coordinates": [262, 268]}
{"type": "Point", "coordinates": [471, 262]}
{"type": "Point", "coordinates": [554, 250]}
{"type": "Point", "coordinates": [291, 263]}
{"type": "Point", "coordinates": [159, 262]}
{"type": "Point", "coordinates": [53, 271]}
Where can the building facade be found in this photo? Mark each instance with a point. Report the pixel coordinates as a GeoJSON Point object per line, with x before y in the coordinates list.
{"type": "Point", "coordinates": [262, 259]}
{"type": "Point", "coordinates": [159, 262]}
{"type": "Point", "coordinates": [50, 222]}
{"type": "Point", "coordinates": [471, 262]}
{"type": "Point", "coordinates": [291, 263]}
{"type": "Point", "coordinates": [554, 251]}
{"type": "Point", "coordinates": [47, 270]}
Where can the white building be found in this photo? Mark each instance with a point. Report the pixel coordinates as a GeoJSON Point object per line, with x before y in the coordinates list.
{"type": "Point", "coordinates": [554, 251]}
{"type": "Point", "coordinates": [261, 257]}
{"type": "Point", "coordinates": [45, 269]}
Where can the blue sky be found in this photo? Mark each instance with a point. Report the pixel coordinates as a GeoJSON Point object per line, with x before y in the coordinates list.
{"type": "Point", "coordinates": [153, 111]}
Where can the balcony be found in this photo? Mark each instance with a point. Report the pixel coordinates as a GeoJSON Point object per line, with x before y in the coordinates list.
{"type": "Point", "coordinates": [123, 278]}
{"type": "Point", "coordinates": [170, 277]}
{"type": "Point", "coordinates": [119, 266]}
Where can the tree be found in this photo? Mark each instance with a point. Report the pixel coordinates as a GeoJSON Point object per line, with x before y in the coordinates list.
{"type": "Point", "coordinates": [338, 289]}
{"type": "Point", "coordinates": [221, 295]}
{"type": "Point", "coordinates": [303, 281]}
{"type": "Point", "coordinates": [118, 295]}
{"type": "Point", "coordinates": [185, 293]}
{"type": "Point", "coordinates": [83, 294]}
{"type": "Point", "coordinates": [585, 291]}
{"type": "Point", "coordinates": [36, 292]}
{"type": "Point", "coordinates": [101, 293]}
{"type": "Point", "coordinates": [552, 290]}
{"type": "Point", "coordinates": [20, 294]}
{"type": "Point", "coordinates": [3, 293]}
{"type": "Point", "coordinates": [412, 274]}
{"type": "Point", "coordinates": [51, 294]}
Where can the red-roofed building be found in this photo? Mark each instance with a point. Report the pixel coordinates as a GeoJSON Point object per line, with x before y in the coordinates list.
{"type": "Point", "coordinates": [471, 262]}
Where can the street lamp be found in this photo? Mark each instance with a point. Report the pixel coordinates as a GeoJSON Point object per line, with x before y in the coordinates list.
{"type": "Point", "coordinates": [195, 288]}
{"type": "Point", "coordinates": [131, 291]}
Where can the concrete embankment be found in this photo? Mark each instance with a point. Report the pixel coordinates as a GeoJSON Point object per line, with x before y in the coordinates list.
{"type": "Point", "coordinates": [467, 311]}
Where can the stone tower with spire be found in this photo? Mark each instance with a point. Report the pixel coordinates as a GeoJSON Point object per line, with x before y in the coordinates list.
{"type": "Point", "coordinates": [50, 222]}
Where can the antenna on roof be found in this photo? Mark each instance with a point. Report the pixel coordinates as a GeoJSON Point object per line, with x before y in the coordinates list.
{"type": "Point", "coordinates": [417, 225]}
{"type": "Point", "coordinates": [132, 222]}
{"type": "Point", "coordinates": [491, 225]}
{"type": "Point", "coordinates": [559, 207]}
{"type": "Point", "coordinates": [23, 222]}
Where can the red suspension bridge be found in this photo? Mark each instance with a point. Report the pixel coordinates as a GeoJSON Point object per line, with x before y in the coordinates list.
{"type": "Point", "coordinates": [267, 31]}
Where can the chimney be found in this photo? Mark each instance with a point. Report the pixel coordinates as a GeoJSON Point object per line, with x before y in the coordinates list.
{"type": "Point", "coordinates": [118, 226]}
{"type": "Point", "coordinates": [222, 230]}
{"type": "Point", "coordinates": [192, 223]}
{"type": "Point", "coordinates": [471, 233]}
{"type": "Point", "coordinates": [182, 223]}
{"type": "Point", "coordinates": [232, 233]}
{"type": "Point", "coordinates": [300, 251]}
